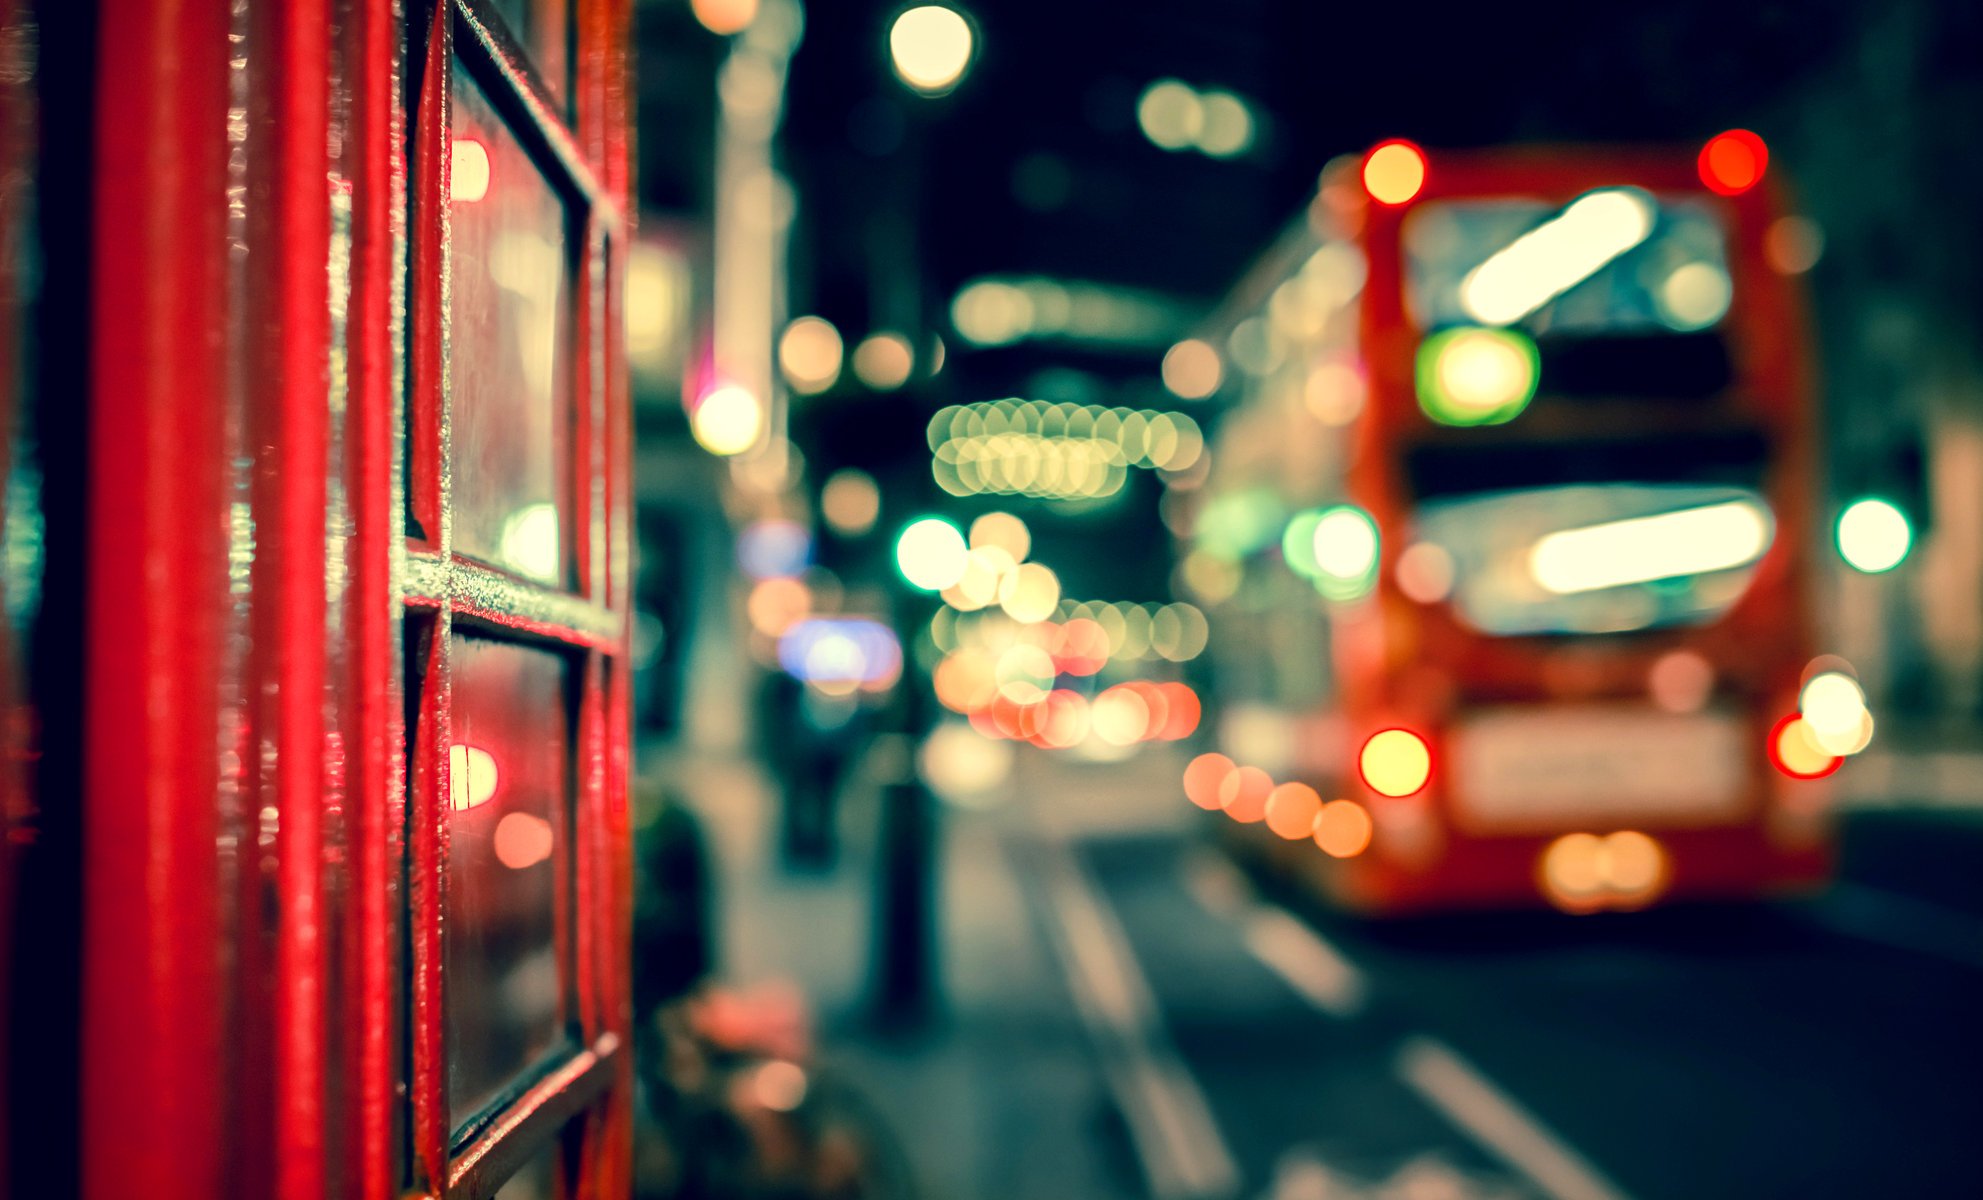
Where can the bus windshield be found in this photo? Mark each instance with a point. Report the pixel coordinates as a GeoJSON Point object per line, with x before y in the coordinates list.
{"type": "Point", "coordinates": [1612, 261]}
{"type": "Point", "coordinates": [1592, 558]}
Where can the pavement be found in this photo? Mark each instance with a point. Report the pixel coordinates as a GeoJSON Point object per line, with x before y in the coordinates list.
{"type": "Point", "coordinates": [1123, 1014]}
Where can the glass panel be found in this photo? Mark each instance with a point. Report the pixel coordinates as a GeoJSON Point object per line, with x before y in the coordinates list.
{"type": "Point", "coordinates": [1598, 559]}
{"type": "Point", "coordinates": [510, 347]}
{"type": "Point", "coordinates": [509, 783]}
{"type": "Point", "coordinates": [543, 29]}
{"type": "Point", "coordinates": [1615, 260]}
{"type": "Point", "coordinates": [538, 1180]}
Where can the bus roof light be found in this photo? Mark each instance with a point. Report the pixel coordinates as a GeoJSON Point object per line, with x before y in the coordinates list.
{"type": "Point", "coordinates": [1394, 172]}
{"type": "Point", "coordinates": [1733, 162]}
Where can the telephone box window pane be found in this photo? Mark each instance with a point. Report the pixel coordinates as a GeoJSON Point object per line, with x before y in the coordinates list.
{"type": "Point", "coordinates": [509, 353]}
{"type": "Point", "coordinates": [509, 786]}
{"type": "Point", "coordinates": [537, 1180]}
{"type": "Point", "coordinates": [542, 29]}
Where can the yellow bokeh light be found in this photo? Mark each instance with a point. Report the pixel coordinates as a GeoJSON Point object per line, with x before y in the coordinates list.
{"type": "Point", "coordinates": [1004, 531]}
{"type": "Point", "coordinates": [1191, 369]}
{"type": "Point", "coordinates": [850, 501]}
{"type": "Point", "coordinates": [724, 16]}
{"type": "Point", "coordinates": [1800, 753]}
{"type": "Point", "coordinates": [1632, 863]}
{"type": "Point", "coordinates": [883, 361]}
{"type": "Point", "coordinates": [1170, 114]}
{"type": "Point", "coordinates": [1343, 829]}
{"type": "Point", "coordinates": [809, 353]}
{"type": "Point", "coordinates": [728, 421]}
{"type": "Point", "coordinates": [1572, 873]}
{"type": "Point", "coordinates": [1395, 762]}
{"type": "Point", "coordinates": [1394, 172]}
{"type": "Point", "coordinates": [1029, 593]}
{"type": "Point", "coordinates": [930, 47]}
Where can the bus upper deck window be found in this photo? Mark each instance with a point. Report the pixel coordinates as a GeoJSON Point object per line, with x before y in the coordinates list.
{"type": "Point", "coordinates": [509, 357]}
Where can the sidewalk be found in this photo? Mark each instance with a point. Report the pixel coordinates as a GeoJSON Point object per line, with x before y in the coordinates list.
{"type": "Point", "coordinates": [999, 1097]}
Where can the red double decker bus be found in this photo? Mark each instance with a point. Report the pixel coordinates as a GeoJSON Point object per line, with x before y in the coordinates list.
{"type": "Point", "coordinates": [1509, 534]}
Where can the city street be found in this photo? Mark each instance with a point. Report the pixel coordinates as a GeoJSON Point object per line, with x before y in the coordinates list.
{"type": "Point", "coordinates": [1229, 1046]}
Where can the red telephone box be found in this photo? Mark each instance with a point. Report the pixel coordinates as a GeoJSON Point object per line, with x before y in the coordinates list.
{"type": "Point", "coordinates": [355, 867]}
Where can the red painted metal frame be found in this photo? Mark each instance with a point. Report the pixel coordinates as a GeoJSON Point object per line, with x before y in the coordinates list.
{"type": "Point", "coordinates": [152, 1040]}
{"type": "Point", "coordinates": [267, 819]}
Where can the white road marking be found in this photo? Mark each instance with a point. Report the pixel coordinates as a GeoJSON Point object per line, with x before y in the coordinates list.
{"type": "Point", "coordinates": [1183, 1154]}
{"type": "Point", "coordinates": [1310, 965]}
{"type": "Point", "coordinates": [1305, 960]}
{"type": "Point", "coordinates": [1501, 1125]}
{"type": "Point", "coordinates": [1933, 779]}
{"type": "Point", "coordinates": [1903, 922]}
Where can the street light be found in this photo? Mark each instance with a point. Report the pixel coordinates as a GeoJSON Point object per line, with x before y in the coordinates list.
{"type": "Point", "coordinates": [930, 46]}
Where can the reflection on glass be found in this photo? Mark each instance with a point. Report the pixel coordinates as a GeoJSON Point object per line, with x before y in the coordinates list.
{"type": "Point", "coordinates": [537, 1180]}
{"type": "Point", "coordinates": [1597, 559]}
{"type": "Point", "coordinates": [542, 29]}
{"type": "Point", "coordinates": [1615, 260]}
{"type": "Point", "coordinates": [509, 350]}
{"type": "Point", "coordinates": [508, 803]}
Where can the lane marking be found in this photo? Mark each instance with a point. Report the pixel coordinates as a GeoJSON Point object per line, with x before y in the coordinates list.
{"type": "Point", "coordinates": [1901, 922]}
{"type": "Point", "coordinates": [1501, 1125]}
{"type": "Point", "coordinates": [1885, 779]}
{"type": "Point", "coordinates": [1316, 970]}
{"type": "Point", "coordinates": [1305, 960]}
{"type": "Point", "coordinates": [1170, 1121]}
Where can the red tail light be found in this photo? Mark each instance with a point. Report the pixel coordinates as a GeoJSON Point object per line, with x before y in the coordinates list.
{"type": "Point", "coordinates": [1395, 762]}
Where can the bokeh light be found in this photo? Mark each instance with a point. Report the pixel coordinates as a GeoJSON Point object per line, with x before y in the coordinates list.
{"type": "Point", "coordinates": [1471, 376]}
{"type": "Point", "coordinates": [1395, 762]}
{"type": "Point", "coordinates": [724, 16]}
{"type": "Point", "coordinates": [1733, 162]}
{"type": "Point", "coordinates": [930, 46]}
{"type": "Point", "coordinates": [468, 171]}
{"type": "Point", "coordinates": [1243, 794]}
{"type": "Point", "coordinates": [809, 354]}
{"type": "Point", "coordinates": [1425, 572]}
{"type": "Point", "coordinates": [1796, 751]}
{"type": "Point", "coordinates": [1170, 114]}
{"type": "Point", "coordinates": [931, 554]}
{"type": "Point", "coordinates": [1793, 245]}
{"type": "Point", "coordinates": [1343, 829]}
{"type": "Point", "coordinates": [1874, 535]}
{"type": "Point", "coordinates": [1394, 172]}
{"type": "Point", "coordinates": [883, 361]}
{"type": "Point", "coordinates": [1003, 530]}
{"type": "Point", "coordinates": [728, 421]}
{"type": "Point", "coordinates": [1030, 592]}
{"type": "Point", "coordinates": [1292, 809]}
{"type": "Point", "coordinates": [1204, 776]}
{"type": "Point", "coordinates": [773, 547]}
{"type": "Point", "coordinates": [1191, 369]}
{"type": "Point", "coordinates": [850, 502]}
{"type": "Point", "coordinates": [1680, 681]}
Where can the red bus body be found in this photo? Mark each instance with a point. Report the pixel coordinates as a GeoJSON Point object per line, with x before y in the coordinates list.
{"type": "Point", "coordinates": [1417, 665]}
